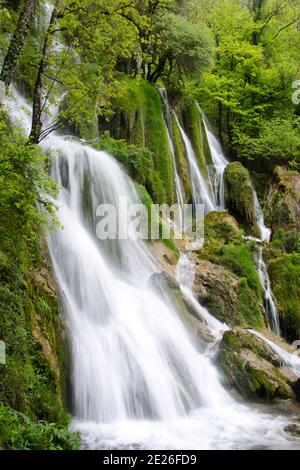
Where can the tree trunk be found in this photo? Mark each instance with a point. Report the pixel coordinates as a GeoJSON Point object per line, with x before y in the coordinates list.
{"type": "Point", "coordinates": [37, 107]}
{"type": "Point", "coordinates": [17, 42]}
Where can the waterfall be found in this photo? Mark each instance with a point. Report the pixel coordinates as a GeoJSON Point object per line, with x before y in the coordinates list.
{"type": "Point", "coordinates": [271, 311]}
{"type": "Point", "coordinates": [201, 194]}
{"type": "Point", "coordinates": [288, 359]}
{"type": "Point", "coordinates": [270, 305]}
{"type": "Point", "coordinates": [177, 179]}
{"type": "Point", "coordinates": [265, 232]}
{"type": "Point", "coordinates": [139, 379]}
{"type": "Point", "coordinates": [185, 276]}
{"type": "Point", "coordinates": [215, 171]}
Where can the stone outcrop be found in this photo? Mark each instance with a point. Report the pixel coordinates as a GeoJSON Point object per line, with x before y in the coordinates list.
{"type": "Point", "coordinates": [251, 367]}
{"type": "Point", "coordinates": [239, 197]}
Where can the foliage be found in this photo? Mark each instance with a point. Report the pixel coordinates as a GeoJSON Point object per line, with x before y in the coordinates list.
{"type": "Point", "coordinates": [137, 161]}
{"type": "Point", "coordinates": [284, 272]}
{"type": "Point", "coordinates": [286, 240]}
{"type": "Point", "coordinates": [30, 383]}
{"type": "Point", "coordinates": [18, 432]}
{"type": "Point", "coordinates": [248, 90]}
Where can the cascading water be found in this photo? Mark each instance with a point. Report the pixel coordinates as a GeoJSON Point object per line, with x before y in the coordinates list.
{"type": "Point", "coordinates": [216, 171]}
{"type": "Point", "coordinates": [265, 232]}
{"type": "Point", "coordinates": [270, 305]}
{"type": "Point", "coordinates": [292, 361]}
{"type": "Point", "coordinates": [185, 277]}
{"type": "Point", "coordinates": [138, 379]}
{"type": "Point", "coordinates": [201, 194]}
{"type": "Point", "coordinates": [177, 179]}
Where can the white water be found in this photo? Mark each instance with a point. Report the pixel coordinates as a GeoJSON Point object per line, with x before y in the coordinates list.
{"type": "Point", "coordinates": [185, 276]}
{"type": "Point", "coordinates": [270, 302]}
{"type": "Point", "coordinates": [138, 380]}
{"type": "Point", "coordinates": [292, 361]}
{"type": "Point", "coordinates": [177, 179]}
{"type": "Point", "coordinates": [265, 232]}
{"type": "Point", "coordinates": [201, 194]}
{"type": "Point", "coordinates": [270, 305]}
{"type": "Point", "coordinates": [216, 171]}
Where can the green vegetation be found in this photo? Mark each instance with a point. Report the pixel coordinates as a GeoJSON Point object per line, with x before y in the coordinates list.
{"type": "Point", "coordinates": [248, 91]}
{"type": "Point", "coordinates": [33, 380]}
{"type": "Point", "coordinates": [284, 272]}
{"type": "Point", "coordinates": [231, 282]}
{"type": "Point", "coordinates": [251, 368]}
{"type": "Point", "coordinates": [139, 119]}
{"type": "Point", "coordinates": [239, 197]}
{"type": "Point", "coordinates": [18, 432]}
{"type": "Point", "coordinates": [103, 62]}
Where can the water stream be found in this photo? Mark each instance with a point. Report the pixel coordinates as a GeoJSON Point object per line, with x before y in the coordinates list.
{"type": "Point", "coordinates": [216, 170]}
{"type": "Point", "coordinates": [201, 193]}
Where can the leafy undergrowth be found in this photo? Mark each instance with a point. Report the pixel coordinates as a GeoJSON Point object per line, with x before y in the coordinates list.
{"type": "Point", "coordinates": [32, 392]}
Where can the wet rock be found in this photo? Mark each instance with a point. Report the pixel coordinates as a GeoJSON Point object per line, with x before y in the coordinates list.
{"type": "Point", "coordinates": [282, 200]}
{"type": "Point", "coordinates": [227, 296]}
{"type": "Point", "coordinates": [239, 197]}
{"type": "Point", "coordinates": [221, 226]}
{"type": "Point", "coordinates": [251, 367]}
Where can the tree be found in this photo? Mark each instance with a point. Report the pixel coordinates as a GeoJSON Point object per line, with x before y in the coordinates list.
{"type": "Point", "coordinates": [74, 60]}
{"type": "Point", "coordinates": [184, 48]}
{"type": "Point", "coordinates": [17, 42]}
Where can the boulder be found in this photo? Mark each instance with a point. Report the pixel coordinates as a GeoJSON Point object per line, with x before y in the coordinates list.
{"type": "Point", "coordinates": [252, 368]}
{"type": "Point", "coordinates": [239, 197]}
{"type": "Point", "coordinates": [227, 296]}
{"type": "Point", "coordinates": [221, 226]}
{"type": "Point", "coordinates": [282, 200]}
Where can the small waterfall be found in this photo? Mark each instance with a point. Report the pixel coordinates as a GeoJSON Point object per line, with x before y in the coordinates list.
{"type": "Point", "coordinates": [177, 179]}
{"type": "Point", "coordinates": [216, 171]}
{"type": "Point", "coordinates": [288, 359]}
{"type": "Point", "coordinates": [138, 379]}
{"type": "Point", "coordinates": [270, 305]}
{"type": "Point", "coordinates": [201, 194]}
{"type": "Point", "coordinates": [271, 311]}
{"type": "Point", "coordinates": [185, 276]}
{"type": "Point", "coordinates": [265, 232]}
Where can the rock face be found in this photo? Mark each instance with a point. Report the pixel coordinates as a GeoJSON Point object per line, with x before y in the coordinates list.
{"type": "Point", "coordinates": [239, 197]}
{"type": "Point", "coordinates": [251, 367]}
{"type": "Point", "coordinates": [227, 296]}
{"type": "Point", "coordinates": [282, 200]}
{"type": "Point", "coordinates": [284, 272]}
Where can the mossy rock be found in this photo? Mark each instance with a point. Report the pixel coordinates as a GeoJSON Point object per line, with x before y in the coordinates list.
{"type": "Point", "coordinates": [193, 125]}
{"type": "Point", "coordinates": [239, 197]}
{"type": "Point", "coordinates": [221, 226]}
{"type": "Point", "coordinates": [228, 297]}
{"type": "Point", "coordinates": [282, 200]}
{"type": "Point", "coordinates": [181, 160]}
{"type": "Point", "coordinates": [284, 272]}
{"type": "Point", "coordinates": [138, 119]}
{"type": "Point", "coordinates": [251, 367]}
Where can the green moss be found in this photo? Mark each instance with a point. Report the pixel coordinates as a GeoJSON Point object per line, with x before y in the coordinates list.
{"type": "Point", "coordinates": [282, 200]}
{"type": "Point", "coordinates": [139, 120]}
{"type": "Point", "coordinates": [221, 226]}
{"type": "Point", "coordinates": [33, 379]}
{"type": "Point", "coordinates": [194, 126]}
{"type": "Point", "coordinates": [284, 272]}
{"type": "Point", "coordinates": [234, 294]}
{"type": "Point", "coordinates": [249, 306]}
{"type": "Point", "coordinates": [181, 161]}
{"type": "Point", "coordinates": [239, 196]}
{"type": "Point", "coordinates": [251, 368]}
